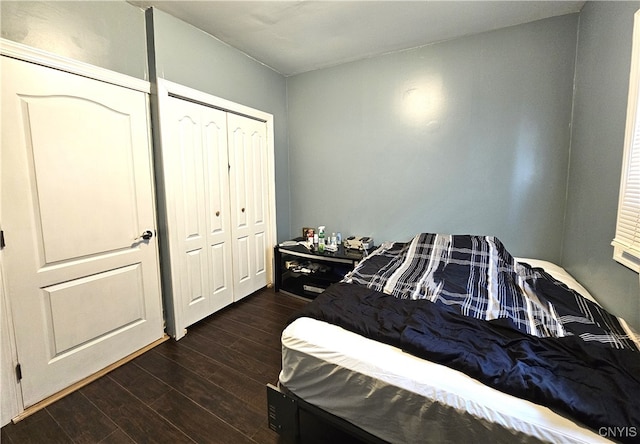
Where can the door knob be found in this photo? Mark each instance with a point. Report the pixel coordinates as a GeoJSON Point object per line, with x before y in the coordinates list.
{"type": "Point", "coordinates": [146, 235]}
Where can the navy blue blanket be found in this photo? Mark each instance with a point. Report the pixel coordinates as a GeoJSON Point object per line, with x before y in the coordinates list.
{"type": "Point", "coordinates": [478, 277]}
{"type": "Point", "coordinates": [590, 382]}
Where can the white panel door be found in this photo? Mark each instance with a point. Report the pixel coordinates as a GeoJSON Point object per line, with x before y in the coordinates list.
{"type": "Point", "coordinates": [197, 181]}
{"type": "Point", "coordinates": [249, 202]}
{"type": "Point", "coordinates": [77, 195]}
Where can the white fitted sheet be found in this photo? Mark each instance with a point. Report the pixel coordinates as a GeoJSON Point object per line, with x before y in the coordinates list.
{"type": "Point", "coordinates": [404, 399]}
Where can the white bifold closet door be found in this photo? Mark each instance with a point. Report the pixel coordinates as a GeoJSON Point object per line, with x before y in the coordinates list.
{"type": "Point", "coordinates": [214, 174]}
{"type": "Point", "coordinates": [249, 200]}
{"type": "Point", "coordinates": [197, 178]}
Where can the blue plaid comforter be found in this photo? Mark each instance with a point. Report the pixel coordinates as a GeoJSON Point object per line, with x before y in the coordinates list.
{"type": "Point", "coordinates": [477, 276]}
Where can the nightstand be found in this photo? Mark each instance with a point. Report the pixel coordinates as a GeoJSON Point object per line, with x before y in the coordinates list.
{"type": "Point", "coordinates": [307, 273]}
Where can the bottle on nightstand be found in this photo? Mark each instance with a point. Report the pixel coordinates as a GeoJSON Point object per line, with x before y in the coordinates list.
{"type": "Point", "coordinates": [321, 239]}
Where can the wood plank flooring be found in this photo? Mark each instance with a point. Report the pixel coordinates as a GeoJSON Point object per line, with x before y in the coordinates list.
{"type": "Point", "coordinates": [209, 387]}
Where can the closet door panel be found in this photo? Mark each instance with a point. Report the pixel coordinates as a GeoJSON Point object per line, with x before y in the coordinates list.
{"type": "Point", "coordinates": [189, 186]}
{"type": "Point", "coordinates": [215, 142]}
{"type": "Point", "coordinates": [196, 266]}
{"type": "Point", "coordinates": [196, 174]}
{"type": "Point", "coordinates": [214, 137]}
{"type": "Point", "coordinates": [241, 177]}
{"type": "Point", "coordinates": [189, 157]}
{"type": "Point", "coordinates": [220, 269]}
{"type": "Point", "coordinates": [260, 259]}
{"type": "Point", "coordinates": [243, 255]}
{"type": "Point", "coordinates": [247, 148]}
{"type": "Point", "coordinates": [259, 199]}
{"type": "Point", "coordinates": [258, 164]}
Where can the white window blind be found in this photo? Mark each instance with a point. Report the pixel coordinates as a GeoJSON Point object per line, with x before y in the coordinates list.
{"type": "Point", "coordinates": [626, 245]}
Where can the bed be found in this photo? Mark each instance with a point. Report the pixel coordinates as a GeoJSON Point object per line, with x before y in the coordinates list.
{"type": "Point", "coordinates": [451, 339]}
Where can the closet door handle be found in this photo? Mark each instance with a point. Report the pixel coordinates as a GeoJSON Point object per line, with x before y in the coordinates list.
{"type": "Point", "coordinates": [217, 213]}
{"type": "Point", "coordinates": [242, 210]}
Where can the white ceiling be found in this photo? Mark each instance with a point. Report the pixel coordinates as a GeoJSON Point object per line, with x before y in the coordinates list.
{"type": "Point", "coordinates": [293, 37]}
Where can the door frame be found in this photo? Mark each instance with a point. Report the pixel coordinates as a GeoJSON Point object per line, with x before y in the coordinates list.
{"type": "Point", "coordinates": [47, 59]}
{"type": "Point", "coordinates": [29, 54]}
{"type": "Point", "coordinates": [11, 395]}
{"type": "Point", "coordinates": [160, 93]}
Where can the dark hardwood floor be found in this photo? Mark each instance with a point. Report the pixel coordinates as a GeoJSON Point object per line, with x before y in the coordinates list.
{"type": "Point", "coordinates": [209, 387]}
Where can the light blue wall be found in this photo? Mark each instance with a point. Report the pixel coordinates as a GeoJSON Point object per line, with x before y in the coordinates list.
{"type": "Point", "coordinates": [107, 34]}
{"type": "Point", "coordinates": [188, 56]}
{"type": "Point", "coordinates": [465, 136]}
{"type": "Point", "coordinates": [602, 85]}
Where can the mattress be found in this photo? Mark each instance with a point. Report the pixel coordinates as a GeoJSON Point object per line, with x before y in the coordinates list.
{"type": "Point", "coordinates": [404, 399]}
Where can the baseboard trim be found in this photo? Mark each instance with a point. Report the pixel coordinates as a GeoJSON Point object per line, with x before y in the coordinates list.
{"type": "Point", "coordinates": [86, 381]}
